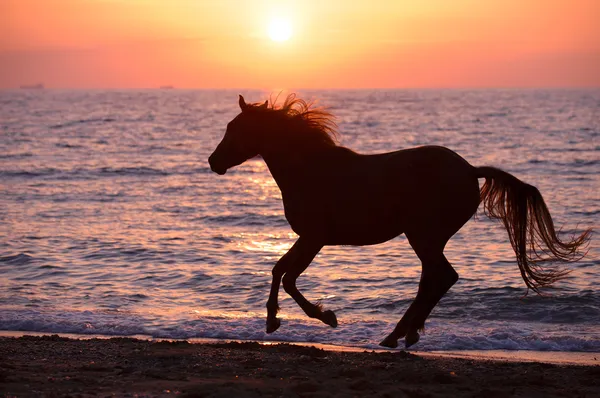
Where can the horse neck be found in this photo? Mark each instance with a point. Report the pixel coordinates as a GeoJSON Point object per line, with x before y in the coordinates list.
{"type": "Point", "coordinates": [290, 159]}
{"type": "Point", "coordinates": [283, 166]}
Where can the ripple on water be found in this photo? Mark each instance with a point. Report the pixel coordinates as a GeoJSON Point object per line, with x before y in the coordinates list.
{"type": "Point", "coordinates": [17, 259]}
{"type": "Point", "coordinates": [115, 224]}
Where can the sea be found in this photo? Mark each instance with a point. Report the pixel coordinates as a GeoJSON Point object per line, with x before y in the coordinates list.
{"type": "Point", "coordinates": [112, 223]}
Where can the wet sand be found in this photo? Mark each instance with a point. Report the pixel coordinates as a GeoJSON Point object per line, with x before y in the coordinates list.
{"type": "Point", "coordinates": [54, 366]}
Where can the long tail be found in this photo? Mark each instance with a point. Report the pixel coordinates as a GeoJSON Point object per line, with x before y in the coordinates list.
{"type": "Point", "coordinates": [521, 208]}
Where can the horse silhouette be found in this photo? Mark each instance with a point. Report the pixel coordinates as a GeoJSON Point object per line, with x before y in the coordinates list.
{"type": "Point", "coordinates": [335, 196]}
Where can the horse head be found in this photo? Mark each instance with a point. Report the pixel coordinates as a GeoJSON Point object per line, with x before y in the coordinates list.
{"type": "Point", "coordinates": [293, 128]}
{"type": "Point", "coordinates": [241, 141]}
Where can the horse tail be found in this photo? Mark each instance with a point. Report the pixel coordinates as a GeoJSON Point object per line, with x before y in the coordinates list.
{"type": "Point", "coordinates": [521, 208]}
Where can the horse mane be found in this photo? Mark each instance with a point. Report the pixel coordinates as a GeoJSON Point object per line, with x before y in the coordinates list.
{"type": "Point", "coordinates": [303, 119]}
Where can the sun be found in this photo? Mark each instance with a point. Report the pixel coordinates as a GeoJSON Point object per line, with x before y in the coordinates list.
{"type": "Point", "coordinates": [280, 29]}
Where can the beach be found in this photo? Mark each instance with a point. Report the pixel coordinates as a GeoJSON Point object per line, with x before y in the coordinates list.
{"type": "Point", "coordinates": [52, 366]}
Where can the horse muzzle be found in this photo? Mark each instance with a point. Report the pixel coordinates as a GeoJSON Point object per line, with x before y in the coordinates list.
{"type": "Point", "coordinates": [214, 167]}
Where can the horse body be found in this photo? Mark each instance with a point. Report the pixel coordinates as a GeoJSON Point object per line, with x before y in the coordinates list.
{"type": "Point", "coordinates": [346, 198]}
{"type": "Point", "coordinates": [335, 196]}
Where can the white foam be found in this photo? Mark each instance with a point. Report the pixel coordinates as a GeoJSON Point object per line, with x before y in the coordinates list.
{"type": "Point", "coordinates": [445, 336]}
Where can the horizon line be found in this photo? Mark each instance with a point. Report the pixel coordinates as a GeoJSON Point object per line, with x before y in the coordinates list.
{"type": "Point", "coordinates": [175, 88]}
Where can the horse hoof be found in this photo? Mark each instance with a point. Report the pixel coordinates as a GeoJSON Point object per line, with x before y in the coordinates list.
{"type": "Point", "coordinates": [273, 324]}
{"type": "Point", "coordinates": [389, 342]}
{"type": "Point", "coordinates": [329, 318]}
{"type": "Point", "coordinates": [411, 338]}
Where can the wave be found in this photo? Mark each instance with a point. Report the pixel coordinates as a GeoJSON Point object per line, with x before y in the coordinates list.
{"type": "Point", "coordinates": [246, 219]}
{"type": "Point", "coordinates": [18, 259]}
{"type": "Point", "coordinates": [130, 171]}
{"type": "Point", "coordinates": [16, 155]}
{"type": "Point", "coordinates": [438, 336]}
{"type": "Point", "coordinates": [496, 114]}
{"type": "Point", "coordinates": [29, 174]}
{"type": "Point", "coordinates": [82, 121]}
{"type": "Point", "coordinates": [80, 173]}
{"type": "Point", "coordinates": [84, 173]}
{"type": "Point", "coordinates": [575, 163]}
{"type": "Point", "coordinates": [67, 145]}
{"type": "Point", "coordinates": [506, 304]}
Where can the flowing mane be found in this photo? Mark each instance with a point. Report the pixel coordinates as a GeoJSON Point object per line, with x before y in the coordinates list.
{"type": "Point", "coordinates": [303, 119]}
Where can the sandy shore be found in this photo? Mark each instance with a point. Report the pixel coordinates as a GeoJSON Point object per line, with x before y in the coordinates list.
{"type": "Point", "coordinates": [54, 366]}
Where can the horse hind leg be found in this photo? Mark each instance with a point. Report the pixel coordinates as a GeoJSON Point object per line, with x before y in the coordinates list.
{"type": "Point", "coordinates": [428, 236]}
{"type": "Point", "coordinates": [402, 328]}
{"type": "Point", "coordinates": [437, 278]}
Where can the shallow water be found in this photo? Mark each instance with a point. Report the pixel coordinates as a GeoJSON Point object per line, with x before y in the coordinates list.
{"type": "Point", "coordinates": [112, 223]}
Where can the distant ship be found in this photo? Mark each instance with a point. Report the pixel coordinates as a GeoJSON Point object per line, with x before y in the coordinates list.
{"type": "Point", "coordinates": [166, 87]}
{"type": "Point", "coordinates": [38, 86]}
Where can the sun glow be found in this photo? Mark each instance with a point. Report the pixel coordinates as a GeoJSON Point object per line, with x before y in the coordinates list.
{"type": "Point", "coordinates": [288, 43]}
{"type": "Point", "coordinates": [280, 29]}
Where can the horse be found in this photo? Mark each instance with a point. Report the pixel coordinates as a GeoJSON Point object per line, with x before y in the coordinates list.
{"type": "Point", "coordinates": [335, 196]}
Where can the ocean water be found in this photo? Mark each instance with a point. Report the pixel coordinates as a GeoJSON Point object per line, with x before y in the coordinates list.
{"type": "Point", "coordinates": [111, 221]}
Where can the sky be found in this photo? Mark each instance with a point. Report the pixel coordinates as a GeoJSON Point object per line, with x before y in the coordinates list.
{"type": "Point", "coordinates": [334, 43]}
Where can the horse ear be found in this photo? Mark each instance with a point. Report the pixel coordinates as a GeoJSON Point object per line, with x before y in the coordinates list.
{"type": "Point", "coordinates": [265, 105]}
{"type": "Point", "coordinates": [242, 103]}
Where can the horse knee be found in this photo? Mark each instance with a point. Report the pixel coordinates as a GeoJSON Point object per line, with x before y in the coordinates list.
{"type": "Point", "coordinates": [277, 272]}
{"type": "Point", "coordinates": [289, 283]}
{"type": "Point", "coordinates": [441, 271]}
{"type": "Point", "coordinates": [436, 281]}
{"type": "Point", "coordinates": [450, 275]}
{"type": "Point", "coordinates": [454, 277]}
{"type": "Point", "coordinates": [279, 268]}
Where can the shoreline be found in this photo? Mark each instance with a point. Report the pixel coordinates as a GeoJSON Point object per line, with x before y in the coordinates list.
{"type": "Point", "coordinates": [120, 366]}
{"type": "Point", "coordinates": [548, 357]}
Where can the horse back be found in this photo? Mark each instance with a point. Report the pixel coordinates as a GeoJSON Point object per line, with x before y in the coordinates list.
{"type": "Point", "coordinates": [350, 198]}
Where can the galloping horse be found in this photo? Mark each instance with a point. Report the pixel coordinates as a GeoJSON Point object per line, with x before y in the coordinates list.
{"type": "Point", "coordinates": [335, 196]}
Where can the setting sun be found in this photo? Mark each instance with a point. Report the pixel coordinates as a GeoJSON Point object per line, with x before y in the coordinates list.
{"type": "Point", "coordinates": [309, 44]}
{"type": "Point", "coordinates": [280, 29]}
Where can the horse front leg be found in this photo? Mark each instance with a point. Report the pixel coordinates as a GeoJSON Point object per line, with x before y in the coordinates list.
{"type": "Point", "coordinates": [302, 252]}
{"type": "Point", "coordinates": [307, 250]}
{"type": "Point", "coordinates": [279, 269]}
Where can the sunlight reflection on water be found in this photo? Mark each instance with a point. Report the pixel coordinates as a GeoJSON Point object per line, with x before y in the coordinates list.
{"type": "Point", "coordinates": [111, 217]}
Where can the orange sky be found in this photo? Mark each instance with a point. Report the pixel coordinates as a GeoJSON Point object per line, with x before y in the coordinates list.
{"type": "Point", "coordinates": [335, 43]}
